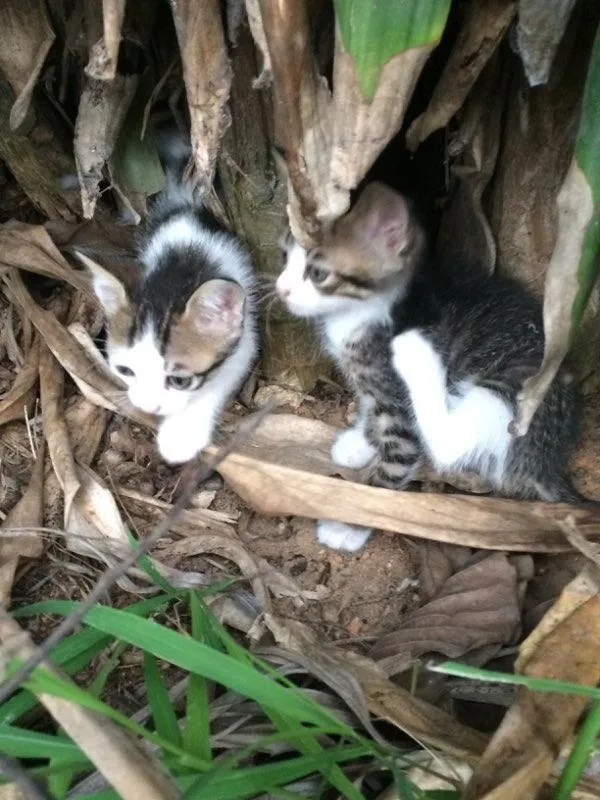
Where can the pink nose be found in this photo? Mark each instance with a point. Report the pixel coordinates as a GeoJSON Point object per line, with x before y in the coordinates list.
{"type": "Point", "coordinates": [282, 291]}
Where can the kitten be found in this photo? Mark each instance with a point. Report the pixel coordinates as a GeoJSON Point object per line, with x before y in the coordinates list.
{"type": "Point", "coordinates": [184, 338]}
{"type": "Point", "coordinates": [435, 354]}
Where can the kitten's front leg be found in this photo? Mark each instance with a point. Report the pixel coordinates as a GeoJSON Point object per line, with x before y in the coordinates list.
{"type": "Point", "coordinates": [352, 448]}
{"type": "Point", "coordinates": [182, 436]}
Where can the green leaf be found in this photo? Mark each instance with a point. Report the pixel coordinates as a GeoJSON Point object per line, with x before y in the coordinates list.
{"type": "Point", "coordinates": [96, 687]}
{"type": "Point", "coordinates": [145, 562]}
{"type": "Point", "coordinates": [20, 743]}
{"type": "Point", "coordinates": [374, 32]}
{"type": "Point", "coordinates": [135, 162]}
{"type": "Point", "coordinates": [161, 707]}
{"type": "Point", "coordinates": [580, 754]}
{"type": "Point", "coordinates": [202, 660]}
{"type": "Point", "coordinates": [534, 684]}
{"type": "Point", "coordinates": [587, 155]}
{"type": "Point", "coordinates": [250, 781]}
{"type": "Point", "coordinates": [197, 731]}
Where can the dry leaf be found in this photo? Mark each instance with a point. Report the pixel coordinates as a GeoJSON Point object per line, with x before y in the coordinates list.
{"type": "Point", "coordinates": [21, 394]}
{"type": "Point", "coordinates": [86, 423]}
{"type": "Point", "coordinates": [103, 54]}
{"type": "Point", "coordinates": [56, 432]}
{"type": "Point", "coordinates": [483, 522]}
{"type": "Point", "coordinates": [519, 759]}
{"type": "Point", "coordinates": [541, 26]}
{"type": "Point", "coordinates": [132, 772]}
{"type": "Point", "coordinates": [207, 76]}
{"type": "Point", "coordinates": [363, 686]}
{"type": "Point", "coordinates": [28, 513]}
{"type": "Point", "coordinates": [575, 211]}
{"type": "Point", "coordinates": [29, 247]}
{"type": "Point", "coordinates": [26, 39]}
{"type": "Point", "coordinates": [437, 562]}
{"type": "Point", "coordinates": [482, 30]}
{"type": "Point", "coordinates": [102, 109]}
{"type": "Point", "coordinates": [476, 607]}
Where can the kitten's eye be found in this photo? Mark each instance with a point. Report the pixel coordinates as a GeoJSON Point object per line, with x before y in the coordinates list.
{"type": "Point", "coordinates": [126, 371]}
{"type": "Point", "coordinates": [181, 382]}
{"type": "Point", "coordinates": [317, 274]}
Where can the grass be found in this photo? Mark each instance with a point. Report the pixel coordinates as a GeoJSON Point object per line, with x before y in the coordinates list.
{"type": "Point", "coordinates": [285, 736]}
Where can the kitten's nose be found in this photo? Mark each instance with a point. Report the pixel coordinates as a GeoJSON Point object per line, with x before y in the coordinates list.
{"type": "Point", "coordinates": [282, 290]}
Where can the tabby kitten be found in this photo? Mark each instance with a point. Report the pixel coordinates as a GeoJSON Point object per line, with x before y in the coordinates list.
{"type": "Point", "coordinates": [435, 354]}
{"type": "Point", "coordinates": [184, 338]}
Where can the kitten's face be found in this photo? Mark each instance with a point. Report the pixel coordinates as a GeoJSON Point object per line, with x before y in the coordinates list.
{"type": "Point", "coordinates": [366, 253]}
{"type": "Point", "coordinates": [165, 362]}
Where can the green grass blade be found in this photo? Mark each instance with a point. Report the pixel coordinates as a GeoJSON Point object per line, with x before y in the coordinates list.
{"type": "Point", "coordinates": [21, 743]}
{"type": "Point", "coordinates": [197, 732]}
{"type": "Point", "coordinates": [43, 681]}
{"type": "Point", "coordinates": [96, 687]}
{"type": "Point", "coordinates": [580, 754]}
{"type": "Point", "coordinates": [250, 781]}
{"type": "Point", "coordinates": [145, 563]}
{"type": "Point", "coordinates": [60, 777]}
{"type": "Point", "coordinates": [372, 33]}
{"type": "Point", "coordinates": [64, 607]}
{"type": "Point", "coordinates": [534, 684]}
{"type": "Point", "coordinates": [161, 707]}
{"type": "Point", "coordinates": [200, 659]}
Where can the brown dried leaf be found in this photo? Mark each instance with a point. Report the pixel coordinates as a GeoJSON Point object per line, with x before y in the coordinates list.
{"type": "Point", "coordinates": [519, 759]}
{"type": "Point", "coordinates": [437, 562]}
{"type": "Point", "coordinates": [102, 109]}
{"type": "Point", "coordinates": [56, 432]}
{"type": "Point", "coordinates": [541, 26]}
{"type": "Point", "coordinates": [476, 607]}
{"type": "Point", "coordinates": [29, 247]}
{"type": "Point", "coordinates": [26, 39]}
{"type": "Point", "coordinates": [21, 394]}
{"type": "Point", "coordinates": [365, 689]}
{"type": "Point", "coordinates": [102, 65]}
{"type": "Point", "coordinates": [207, 76]}
{"type": "Point", "coordinates": [482, 522]}
{"type": "Point", "coordinates": [28, 513]}
{"type": "Point", "coordinates": [85, 365]}
{"type": "Point", "coordinates": [132, 772]}
{"type": "Point", "coordinates": [86, 423]}
{"type": "Point", "coordinates": [575, 210]}
{"type": "Point", "coordinates": [481, 32]}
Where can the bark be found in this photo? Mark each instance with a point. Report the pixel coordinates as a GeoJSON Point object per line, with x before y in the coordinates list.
{"type": "Point", "coordinates": [255, 202]}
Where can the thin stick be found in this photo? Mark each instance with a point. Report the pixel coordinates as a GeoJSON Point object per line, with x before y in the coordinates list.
{"type": "Point", "coordinates": [193, 476]}
{"type": "Point", "coordinates": [11, 769]}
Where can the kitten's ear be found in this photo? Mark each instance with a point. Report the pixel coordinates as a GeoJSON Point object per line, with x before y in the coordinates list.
{"type": "Point", "coordinates": [109, 289]}
{"type": "Point", "coordinates": [381, 218]}
{"type": "Point", "coordinates": [217, 308]}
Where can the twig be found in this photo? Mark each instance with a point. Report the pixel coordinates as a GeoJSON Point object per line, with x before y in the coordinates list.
{"type": "Point", "coordinates": [194, 475]}
{"type": "Point", "coordinates": [11, 769]}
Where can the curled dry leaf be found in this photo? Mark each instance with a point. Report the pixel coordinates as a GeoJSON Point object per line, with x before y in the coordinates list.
{"type": "Point", "coordinates": [102, 65]}
{"type": "Point", "coordinates": [102, 109]}
{"type": "Point", "coordinates": [519, 759]}
{"type": "Point", "coordinates": [541, 26]}
{"type": "Point", "coordinates": [476, 607]}
{"type": "Point", "coordinates": [26, 39]}
{"type": "Point", "coordinates": [28, 513]}
{"type": "Point", "coordinates": [56, 432]}
{"type": "Point", "coordinates": [480, 34]}
{"type": "Point", "coordinates": [86, 423]}
{"type": "Point", "coordinates": [30, 248]}
{"type": "Point", "coordinates": [21, 394]}
{"type": "Point", "coordinates": [258, 34]}
{"type": "Point", "coordinates": [364, 688]}
{"type": "Point", "coordinates": [132, 772]}
{"type": "Point", "coordinates": [207, 76]}
{"type": "Point", "coordinates": [483, 522]}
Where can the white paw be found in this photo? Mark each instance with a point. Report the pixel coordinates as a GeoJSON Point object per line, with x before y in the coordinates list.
{"type": "Point", "coordinates": [351, 449]}
{"type": "Point", "coordinates": [179, 440]}
{"type": "Point", "coordinates": [340, 536]}
{"type": "Point", "coordinates": [414, 356]}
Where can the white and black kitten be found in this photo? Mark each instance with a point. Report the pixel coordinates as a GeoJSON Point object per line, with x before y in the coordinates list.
{"type": "Point", "coordinates": [436, 355]}
{"type": "Point", "coordinates": [183, 336]}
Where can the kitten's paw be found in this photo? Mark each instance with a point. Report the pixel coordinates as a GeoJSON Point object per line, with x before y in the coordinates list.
{"type": "Point", "coordinates": [340, 536]}
{"type": "Point", "coordinates": [351, 449]}
{"type": "Point", "coordinates": [178, 441]}
{"type": "Point", "coordinates": [413, 356]}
